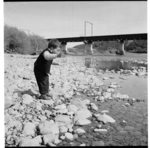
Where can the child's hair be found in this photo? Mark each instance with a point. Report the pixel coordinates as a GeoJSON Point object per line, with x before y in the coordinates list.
{"type": "Point", "coordinates": [54, 43]}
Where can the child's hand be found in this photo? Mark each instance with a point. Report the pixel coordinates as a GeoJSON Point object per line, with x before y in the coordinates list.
{"type": "Point", "coordinates": [59, 54]}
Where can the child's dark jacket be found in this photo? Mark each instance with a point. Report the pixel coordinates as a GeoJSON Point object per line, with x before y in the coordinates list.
{"type": "Point", "coordinates": [43, 65]}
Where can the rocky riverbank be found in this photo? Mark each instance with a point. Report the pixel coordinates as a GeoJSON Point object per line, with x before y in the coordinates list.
{"type": "Point", "coordinates": [87, 107]}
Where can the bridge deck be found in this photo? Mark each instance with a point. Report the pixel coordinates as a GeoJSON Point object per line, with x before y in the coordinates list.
{"type": "Point", "coordinates": [142, 36]}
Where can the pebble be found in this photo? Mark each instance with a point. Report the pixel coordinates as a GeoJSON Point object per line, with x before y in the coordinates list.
{"type": "Point", "coordinates": [83, 144]}
{"type": "Point", "coordinates": [98, 143]}
{"type": "Point", "coordinates": [102, 131]}
{"type": "Point", "coordinates": [123, 133]}
{"type": "Point", "coordinates": [75, 136]}
{"type": "Point", "coordinates": [129, 128]}
{"type": "Point", "coordinates": [69, 136]}
{"type": "Point", "coordinates": [62, 137]}
{"type": "Point", "coordinates": [83, 122]}
{"type": "Point", "coordinates": [105, 78]}
{"type": "Point", "coordinates": [93, 106]}
{"type": "Point", "coordinates": [105, 111]}
{"type": "Point", "coordinates": [80, 131]}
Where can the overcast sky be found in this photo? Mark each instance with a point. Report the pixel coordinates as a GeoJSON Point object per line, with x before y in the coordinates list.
{"type": "Point", "coordinates": [66, 19]}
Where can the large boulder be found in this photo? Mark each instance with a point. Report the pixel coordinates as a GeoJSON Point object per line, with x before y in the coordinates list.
{"type": "Point", "coordinates": [27, 99]}
{"type": "Point", "coordinates": [69, 136]}
{"type": "Point", "coordinates": [63, 120]}
{"type": "Point", "coordinates": [8, 102]}
{"type": "Point", "coordinates": [51, 139]}
{"type": "Point", "coordinates": [79, 104]}
{"type": "Point", "coordinates": [48, 127]}
{"type": "Point", "coordinates": [30, 142]}
{"type": "Point", "coordinates": [72, 108]}
{"type": "Point", "coordinates": [82, 114]}
{"type": "Point", "coordinates": [83, 122]}
{"type": "Point", "coordinates": [29, 129]}
{"type": "Point", "coordinates": [105, 118]}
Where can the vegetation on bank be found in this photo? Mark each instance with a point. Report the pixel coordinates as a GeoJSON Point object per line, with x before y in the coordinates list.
{"type": "Point", "coordinates": [17, 41]}
{"type": "Point", "coordinates": [137, 46]}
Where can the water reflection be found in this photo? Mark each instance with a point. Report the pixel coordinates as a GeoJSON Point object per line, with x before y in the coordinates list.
{"type": "Point", "coordinates": [113, 64]}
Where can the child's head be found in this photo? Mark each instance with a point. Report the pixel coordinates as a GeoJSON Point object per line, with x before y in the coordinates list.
{"type": "Point", "coordinates": [54, 43]}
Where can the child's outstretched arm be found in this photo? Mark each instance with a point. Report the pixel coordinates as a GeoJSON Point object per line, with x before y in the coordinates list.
{"type": "Point", "coordinates": [49, 56]}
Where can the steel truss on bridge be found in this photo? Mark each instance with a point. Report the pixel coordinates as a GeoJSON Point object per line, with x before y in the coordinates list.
{"type": "Point", "coordinates": [122, 37]}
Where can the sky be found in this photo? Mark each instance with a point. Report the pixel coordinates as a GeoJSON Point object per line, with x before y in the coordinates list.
{"type": "Point", "coordinates": [67, 19]}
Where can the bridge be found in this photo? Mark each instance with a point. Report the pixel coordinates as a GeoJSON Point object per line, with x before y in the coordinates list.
{"type": "Point", "coordinates": [88, 40]}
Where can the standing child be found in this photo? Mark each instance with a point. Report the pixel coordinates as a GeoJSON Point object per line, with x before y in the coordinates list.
{"type": "Point", "coordinates": [42, 67]}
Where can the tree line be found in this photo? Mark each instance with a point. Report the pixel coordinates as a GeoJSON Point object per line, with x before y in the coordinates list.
{"type": "Point", "coordinates": [17, 41]}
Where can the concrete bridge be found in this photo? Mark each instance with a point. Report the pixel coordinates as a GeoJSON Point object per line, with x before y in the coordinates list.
{"type": "Point", "coordinates": [88, 40]}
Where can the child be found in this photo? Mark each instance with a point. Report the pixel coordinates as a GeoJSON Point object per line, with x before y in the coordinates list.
{"type": "Point", "coordinates": [42, 67]}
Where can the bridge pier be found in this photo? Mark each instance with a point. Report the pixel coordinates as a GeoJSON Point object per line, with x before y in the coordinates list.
{"type": "Point", "coordinates": [122, 47]}
{"type": "Point", "coordinates": [63, 47]}
{"type": "Point", "coordinates": [88, 47]}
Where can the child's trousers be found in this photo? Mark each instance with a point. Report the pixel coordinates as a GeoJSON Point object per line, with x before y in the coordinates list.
{"type": "Point", "coordinates": [42, 81]}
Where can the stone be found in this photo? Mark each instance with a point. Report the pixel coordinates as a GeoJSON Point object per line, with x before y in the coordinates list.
{"type": "Point", "coordinates": [112, 86]}
{"type": "Point", "coordinates": [51, 139]}
{"type": "Point", "coordinates": [27, 99]}
{"type": "Point", "coordinates": [16, 124]}
{"type": "Point", "coordinates": [80, 131]}
{"type": "Point", "coordinates": [98, 143]}
{"type": "Point", "coordinates": [99, 126]}
{"type": "Point", "coordinates": [83, 122]}
{"type": "Point", "coordinates": [38, 138]}
{"type": "Point", "coordinates": [62, 137]}
{"type": "Point", "coordinates": [47, 127]}
{"type": "Point", "coordinates": [103, 131]}
{"type": "Point", "coordinates": [79, 104]}
{"type": "Point", "coordinates": [72, 108]}
{"type": "Point", "coordinates": [8, 102]}
{"type": "Point", "coordinates": [105, 111]}
{"type": "Point", "coordinates": [48, 102]}
{"type": "Point", "coordinates": [111, 77]}
{"type": "Point", "coordinates": [123, 133]}
{"type": "Point", "coordinates": [105, 78]}
{"type": "Point", "coordinates": [43, 118]}
{"type": "Point", "coordinates": [64, 111]}
{"type": "Point", "coordinates": [71, 114]}
{"type": "Point", "coordinates": [137, 133]}
{"type": "Point", "coordinates": [7, 118]}
{"type": "Point", "coordinates": [63, 129]}
{"type": "Point", "coordinates": [110, 90]}
{"type": "Point", "coordinates": [101, 98]}
{"type": "Point", "coordinates": [93, 106]}
{"type": "Point", "coordinates": [63, 120]}
{"type": "Point", "coordinates": [129, 128]}
{"type": "Point", "coordinates": [75, 136]}
{"type": "Point", "coordinates": [69, 136]}
{"type": "Point", "coordinates": [6, 129]}
{"type": "Point", "coordinates": [82, 114]}
{"type": "Point", "coordinates": [39, 106]}
{"type": "Point", "coordinates": [105, 118]}
{"type": "Point", "coordinates": [83, 144]}
{"type": "Point", "coordinates": [86, 102]}
{"type": "Point", "coordinates": [29, 142]}
{"type": "Point", "coordinates": [29, 129]}
{"type": "Point", "coordinates": [107, 95]}
{"type": "Point", "coordinates": [60, 107]}
{"type": "Point", "coordinates": [124, 78]}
